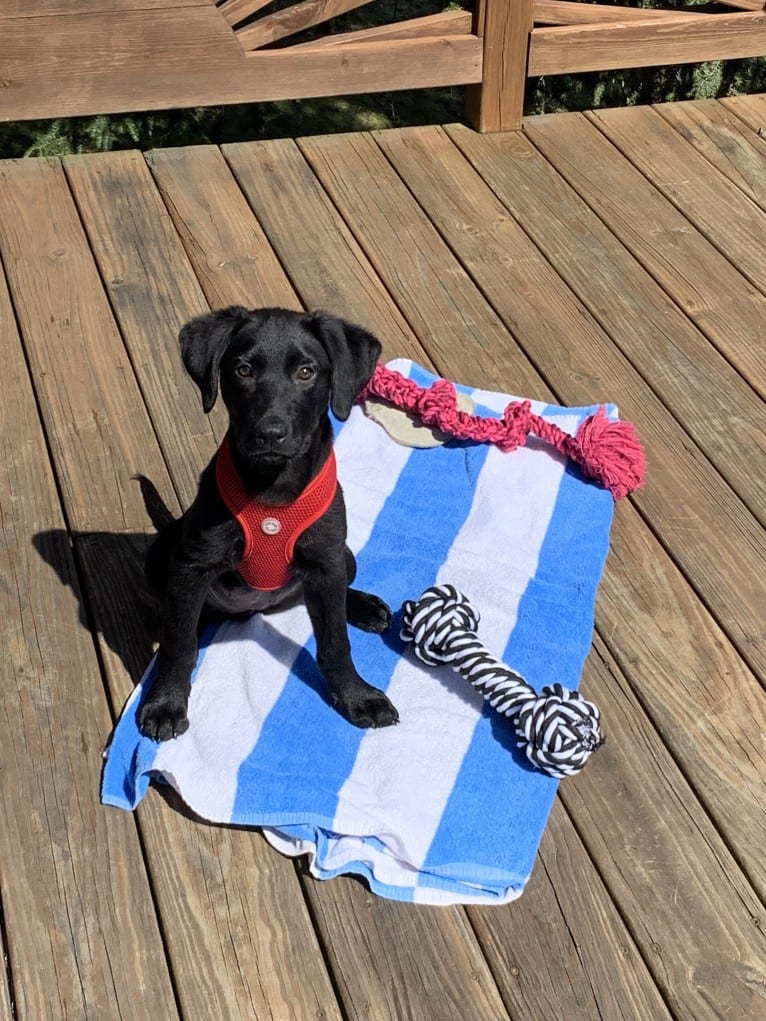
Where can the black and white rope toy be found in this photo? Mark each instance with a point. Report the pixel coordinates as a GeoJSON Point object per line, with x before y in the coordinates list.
{"type": "Point", "coordinates": [558, 729]}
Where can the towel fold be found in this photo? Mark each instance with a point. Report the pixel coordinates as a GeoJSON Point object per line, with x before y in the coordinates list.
{"type": "Point", "coordinates": [442, 808]}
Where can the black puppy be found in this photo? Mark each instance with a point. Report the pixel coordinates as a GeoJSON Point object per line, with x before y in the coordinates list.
{"type": "Point", "coordinates": [279, 373]}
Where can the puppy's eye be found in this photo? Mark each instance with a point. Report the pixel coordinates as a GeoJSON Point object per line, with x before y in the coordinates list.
{"type": "Point", "coordinates": [305, 373]}
{"type": "Point", "coordinates": [244, 371]}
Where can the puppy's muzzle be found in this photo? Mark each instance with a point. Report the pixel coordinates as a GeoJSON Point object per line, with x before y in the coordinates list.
{"type": "Point", "coordinates": [270, 433]}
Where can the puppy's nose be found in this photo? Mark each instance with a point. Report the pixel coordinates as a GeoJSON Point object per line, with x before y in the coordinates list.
{"type": "Point", "coordinates": [270, 432]}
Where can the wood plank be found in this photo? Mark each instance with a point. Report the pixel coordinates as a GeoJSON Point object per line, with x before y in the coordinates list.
{"type": "Point", "coordinates": [744, 5]}
{"type": "Point", "coordinates": [78, 918]}
{"type": "Point", "coordinates": [213, 216]}
{"type": "Point", "coordinates": [420, 953]}
{"type": "Point", "coordinates": [532, 937]}
{"type": "Point", "coordinates": [120, 209]}
{"type": "Point", "coordinates": [337, 165]}
{"type": "Point", "coordinates": [498, 103]}
{"type": "Point", "coordinates": [74, 64]}
{"type": "Point", "coordinates": [45, 8]}
{"type": "Point", "coordinates": [91, 403]}
{"type": "Point", "coordinates": [729, 219]}
{"type": "Point", "coordinates": [433, 25]}
{"type": "Point", "coordinates": [704, 701]}
{"type": "Point", "coordinates": [6, 1005]}
{"type": "Point", "coordinates": [238, 10]}
{"type": "Point", "coordinates": [678, 256]}
{"type": "Point", "coordinates": [750, 109]}
{"type": "Point", "coordinates": [563, 12]}
{"type": "Point", "coordinates": [580, 920]}
{"type": "Point", "coordinates": [687, 38]}
{"type": "Point", "coordinates": [426, 962]}
{"type": "Point", "coordinates": [233, 914]}
{"type": "Point", "coordinates": [443, 307]}
{"type": "Point", "coordinates": [430, 166]}
{"type": "Point", "coordinates": [668, 869]}
{"type": "Point", "coordinates": [298, 17]}
{"type": "Point", "coordinates": [735, 150]}
{"type": "Point", "coordinates": [155, 60]}
{"type": "Point", "coordinates": [226, 245]}
{"type": "Point", "coordinates": [691, 377]}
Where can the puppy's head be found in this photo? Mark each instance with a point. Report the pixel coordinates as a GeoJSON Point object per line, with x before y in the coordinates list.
{"type": "Point", "coordinates": [279, 371]}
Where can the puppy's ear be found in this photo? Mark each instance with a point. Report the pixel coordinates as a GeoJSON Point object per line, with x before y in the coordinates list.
{"type": "Point", "coordinates": [203, 343]}
{"type": "Point", "coordinates": [353, 353]}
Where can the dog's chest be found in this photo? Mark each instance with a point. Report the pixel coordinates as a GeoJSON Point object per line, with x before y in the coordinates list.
{"type": "Point", "coordinates": [270, 533]}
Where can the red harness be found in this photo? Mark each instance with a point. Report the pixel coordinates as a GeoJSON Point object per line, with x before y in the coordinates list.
{"type": "Point", "coordinates": [271, 532]}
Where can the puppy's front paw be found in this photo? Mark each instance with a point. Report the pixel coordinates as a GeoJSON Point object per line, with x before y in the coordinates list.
{"type": "Point", "coordinates": [368, 612]}
{"type": "Point", "coordinates": [365, 706]}
{"type": "Point", "coordinates": [163, 718]}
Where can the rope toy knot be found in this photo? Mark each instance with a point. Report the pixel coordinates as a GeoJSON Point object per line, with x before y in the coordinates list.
{"type": "Point", "coordinates": [557, 730]}
{"type": "Point", "coordinates": [560, 730]}
{"type": "Point", "coordinates": [429, 623]}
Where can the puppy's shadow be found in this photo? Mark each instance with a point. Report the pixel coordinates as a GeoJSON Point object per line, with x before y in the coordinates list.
{"type": "Point", "coordinates": [114, 599]}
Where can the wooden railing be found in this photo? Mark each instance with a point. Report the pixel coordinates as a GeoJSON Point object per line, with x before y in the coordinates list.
{"type": "Point", "coordinates": [69, 57]}
{"type": "Point", "coordinates": [530, 38]}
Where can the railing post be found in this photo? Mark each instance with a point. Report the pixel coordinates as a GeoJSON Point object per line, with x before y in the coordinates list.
{"type": "Point", "coordinates": [498, 103]}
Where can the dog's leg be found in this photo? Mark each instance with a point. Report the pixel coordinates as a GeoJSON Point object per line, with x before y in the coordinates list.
{"type": "Point", "coordinates": [353, 697]}
{"type": "Point", "coordinates": [363, 609]}
{"type": "Point", "coordinates": [367, 611]}
{"type": "Point", "coordinates": [162, 714]}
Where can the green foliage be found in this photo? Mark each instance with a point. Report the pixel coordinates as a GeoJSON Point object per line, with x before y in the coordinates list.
{"type": "Point", "coordinates": [710, 80]}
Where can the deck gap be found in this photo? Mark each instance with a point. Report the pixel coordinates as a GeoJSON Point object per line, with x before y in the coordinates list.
{"type": "Point", "coordinates": [5, 950]}
{"type": "Point", "coordinates": [571, 934]}
{"type": "Point", "coordinates": [622, 913]}
{"type": "Point", "coordinates": [761, 288]}
{"type": "Point", "coordinates": [319, 932]}
{"type": "Point", "coordinates": [158, 916]}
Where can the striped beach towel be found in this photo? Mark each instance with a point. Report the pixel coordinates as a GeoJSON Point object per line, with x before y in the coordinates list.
{"type": "Point", "coordinates": [442, 808]}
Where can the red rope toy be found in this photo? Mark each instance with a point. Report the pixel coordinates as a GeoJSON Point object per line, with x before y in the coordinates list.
{"type": "Point", "coordinates": [608, 452]}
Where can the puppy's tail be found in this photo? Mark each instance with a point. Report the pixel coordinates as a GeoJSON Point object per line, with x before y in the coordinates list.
{"type": "Point", "coordinates": [156, 508]}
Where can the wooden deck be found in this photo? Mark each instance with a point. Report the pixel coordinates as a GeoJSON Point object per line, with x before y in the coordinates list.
{"type": "Point", "coordinates": [618, 255]}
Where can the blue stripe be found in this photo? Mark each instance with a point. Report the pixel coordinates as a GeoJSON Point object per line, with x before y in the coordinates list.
{"type": "Point", "coordinates": [547, 644]}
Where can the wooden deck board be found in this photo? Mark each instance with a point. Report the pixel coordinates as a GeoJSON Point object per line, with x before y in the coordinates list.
{"type": "Point", "coordinates": [734, 148]}
{"type": "Point", "coordinates": [81, 933]}
{"type": "Point", "coordinates": [505, 262]}
{"type": "Point", "coordinates": [678, 256]}
{"type": "Point", "coordinates": [730, 219]}
{"type": "Point", "coordinates": [506, 266]}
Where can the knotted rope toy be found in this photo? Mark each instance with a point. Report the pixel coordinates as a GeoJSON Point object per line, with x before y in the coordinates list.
{"type": "Point", "coordinates": [558, 730]}
{"type": "Point", "coordinates": [608, 452]}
